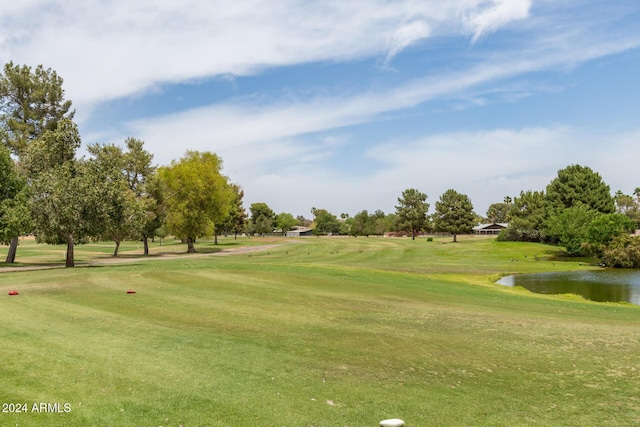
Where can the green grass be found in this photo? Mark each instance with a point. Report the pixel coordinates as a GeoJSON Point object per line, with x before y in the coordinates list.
{"type": "Point", "coordinates": [313, 332]}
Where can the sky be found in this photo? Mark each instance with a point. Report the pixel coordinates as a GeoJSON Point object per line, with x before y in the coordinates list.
{"type": "Point", "coordinates": [342, 105]}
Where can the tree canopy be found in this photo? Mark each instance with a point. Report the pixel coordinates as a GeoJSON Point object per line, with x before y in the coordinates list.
{"type": "Point", "coordinates": [579, 184]}
{"type": "Point", "coordinates": [197, 196]}
{"type": "Point", "coordinates": [411, 211]}
{"type": "Point", "coordinates": [31, 102]}
{"type": "Point", "coordinates": [263, 218]}
{"type": "Point", "coordinates": [454, 214]}
{"type": "Point", "coordinates": [326, 222]}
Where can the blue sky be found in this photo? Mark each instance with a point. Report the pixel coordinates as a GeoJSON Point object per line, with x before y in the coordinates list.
{"type": "Point", "coordinates": [343, 105]}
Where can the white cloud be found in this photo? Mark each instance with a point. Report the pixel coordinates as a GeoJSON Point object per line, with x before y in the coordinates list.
{"type": "Point", "coordinates": [245, 124]}
{"type": "Point", "coordinates": [493, 14]}
{"type": "Point", "coordinates": [487, 166]}
{"type": "Point", "coordinates": [405, 36]}
{"type": "Point", "coordinates": [119, 48]}
{"type": "Point", "coordinates": [110, 49]}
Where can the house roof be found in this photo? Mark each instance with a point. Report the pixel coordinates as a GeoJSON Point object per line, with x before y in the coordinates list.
{"type": "Point", "coordinates": [491, 225]}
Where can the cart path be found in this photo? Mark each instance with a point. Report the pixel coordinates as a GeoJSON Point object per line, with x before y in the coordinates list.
{"type": "Point", "coordinates": [159, 257]}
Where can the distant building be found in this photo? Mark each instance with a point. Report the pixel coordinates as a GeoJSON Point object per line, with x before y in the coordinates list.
{"type": "Point", "coordinates": [299, 231]}
{"type": "Point", "coordinates": [490, 229]}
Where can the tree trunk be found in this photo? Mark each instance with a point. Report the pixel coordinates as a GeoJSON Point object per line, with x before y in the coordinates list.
{"type": "Point", "coordinates": [190, 248]}
{"type": "Point", "coordinates": [13, 247]}
{"type": "Point", "coordinates": [413, 234]}
{"type": "Point", "coordinates": [115, 251]}
{"type": "Point", "coordinates": [235, 236]}
{"type": "Point", "coordinates": [70, 260]}
{"type": "Point", "coordinates": [454, 238]}
{"type": "Point", "coordinates": [145, 242]}
{"type": "Point", "coordinates": [215, 238]}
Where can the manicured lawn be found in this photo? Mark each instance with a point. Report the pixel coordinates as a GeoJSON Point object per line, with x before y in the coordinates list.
{"type": "Point", "coordinates": [313, 332]}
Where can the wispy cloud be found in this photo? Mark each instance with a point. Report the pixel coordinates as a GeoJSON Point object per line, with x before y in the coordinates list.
{"type": "Point", "coordinates": [488, 16]}
{"type": "Point", "coordinates": [247, 122]}
{"type": "Point", "coordinates": [107, 50]}
{"type": "Point", "coordinates": [111, 49]}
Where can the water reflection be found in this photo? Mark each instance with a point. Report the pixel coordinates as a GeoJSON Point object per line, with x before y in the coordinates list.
{"type": "Point", "coordinates": [619, 285]}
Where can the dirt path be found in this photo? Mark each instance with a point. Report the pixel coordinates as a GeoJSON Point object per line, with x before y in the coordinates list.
{"type": "Point", "coordinates": [159, 257]}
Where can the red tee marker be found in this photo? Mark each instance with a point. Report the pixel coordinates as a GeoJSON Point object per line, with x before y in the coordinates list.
{"type": "Point", "coordinates": [131, 291]}
{"type": "Point", "coordinates": [13, 292]}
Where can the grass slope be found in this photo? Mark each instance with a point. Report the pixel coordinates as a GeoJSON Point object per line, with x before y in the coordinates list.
{"type": "Point", "coordinates": [316, 332]}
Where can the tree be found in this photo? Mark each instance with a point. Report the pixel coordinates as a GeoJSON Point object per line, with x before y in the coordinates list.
{"type": "Point", "coordinates": [528, 214]}
{"type": "Point", "coordinates": [197, 196]}
{"type": "Point", "coordinates": [65, 197]}
{"type": "Point", "coordinates": [570, 226]}
{"type": "Point", "coordinates": [237, 218]}
{"type": "Point", "coordinates": [379, 223]}
{"type": "Point", "coordinates": [155, 209]}
{"type": "Point", "coordinates": [123, 205]}
{"type": "Point", "coordinates": [65, 206]}
{"type": "Point", "coordinates": [137, 165]}
{"type": "Point", "coordinates": [579, 184]}
{"type": "Point", "coordinates": [14, 213]}
{"type": "Point", "coordinates": [623, 251]}
{"type": "Point", "coordinates": [326, 222]}
{"type": "Point", "coordinates": [628, 206]}
{"type": "Point", "coordinates": [285, 222]}
{"type": "Point", "coordinates": [603, 229]}
{"type": "Point", "coordinates": [454, 214]}
{"type": "Point", "coordinates": [31, 102]}
{"type": "Point", "coordinates": [390, 222]}
{"type": "Point", "coordinates": [143, 181]}
{"type": "Point", "coordinates": [345, 226]}
{"type": "Point", "coordinates": [412, 211]}
{"type": "Point", "coordinates": [499, 212]}
{"type": "Point", "coordinates": [262, 217]}
{"type": "Point", "coordinates": [302, 221]}
{"type": "Point", "coordinates": [362, 224]}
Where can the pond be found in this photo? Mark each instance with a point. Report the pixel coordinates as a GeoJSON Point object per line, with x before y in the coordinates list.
{"type": "Point", "coordinates": [608, 285]}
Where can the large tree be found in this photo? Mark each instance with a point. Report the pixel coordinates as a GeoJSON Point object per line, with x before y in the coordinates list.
{"type": "Point", "coordinates": [528, 214]}
{"type": "Point", "coordinates": [362, 224]}
{"type": "Point", "coordinates": [14, 213]}
{"type": "Point", "coordinates": [326, 222]}
{"type": "Point", "coordinates": [124, 209]}
{"type": "Point", "coordinates": [285, 222]}
{"type": "Point", "coordinates": [65, 205]}
{"type": "Point", "coordinates": [66, 198]}
{"type": "Point", "coordinates": [237, 218]}
{"type": "Point", "coordinates": [155, 208]}
{"type": "Point", "coordinates": [31, 102]}
{"type": "Point", "coordinates": [263, 218]}
{"type": "Point", "coordinates": [143, 181]}
{"type": "Point", "coordinates": [579, 184]}
{"type": "Point", "coordinates": [570, 227]}
{"type": "Point", "coordinates": [197, 195]}
{"type": "Point", "coordinates": [627, 205]}
{"type": "Point", "coordinates": [499, 212]}
{"type": "Point", "coordinates": [603, 229]}
{"type": "Point", "coordinates": [454, 213]}
{"type": "Point", "coordinates": [412, 211]}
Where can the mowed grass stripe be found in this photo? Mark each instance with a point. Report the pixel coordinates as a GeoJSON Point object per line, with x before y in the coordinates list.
{"type": "Point", "coordinates": [319, 334]}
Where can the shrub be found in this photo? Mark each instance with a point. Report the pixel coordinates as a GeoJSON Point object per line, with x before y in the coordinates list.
{"type": "Point", "coordinates": [623, 251]}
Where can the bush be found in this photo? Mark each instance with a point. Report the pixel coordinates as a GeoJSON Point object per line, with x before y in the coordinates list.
{"type": "Point", "coordinates": [623, 251]}
{"type": "Point", "coordinates": [521, 234]}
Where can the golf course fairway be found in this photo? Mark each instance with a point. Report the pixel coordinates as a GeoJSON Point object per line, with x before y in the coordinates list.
{"type": "Point", "coordinates": [309, 332]}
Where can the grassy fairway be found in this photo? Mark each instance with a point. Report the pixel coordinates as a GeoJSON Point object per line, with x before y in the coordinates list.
{"type": "Point", "coordinates": [317, 332]}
